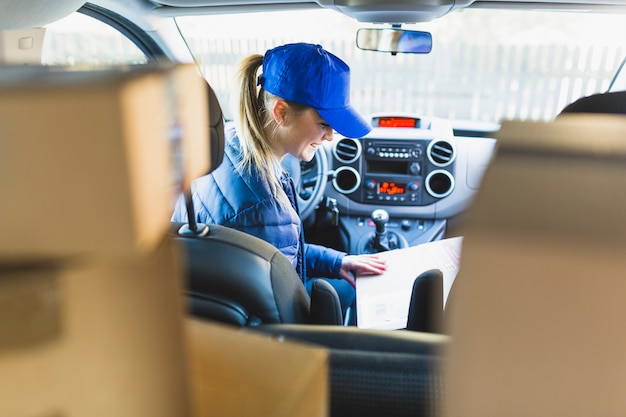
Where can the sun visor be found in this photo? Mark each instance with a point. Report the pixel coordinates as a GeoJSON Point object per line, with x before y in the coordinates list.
{"type": "Point", "coordinates": [26, 14]}
{"type": "Point", "coordinates": [21, 46]}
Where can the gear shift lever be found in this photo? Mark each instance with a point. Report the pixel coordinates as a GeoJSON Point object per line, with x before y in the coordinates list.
{"type": "Point", "coordinates": [382, 239]}
{"type": "Point", "coordinates": [380, 242]}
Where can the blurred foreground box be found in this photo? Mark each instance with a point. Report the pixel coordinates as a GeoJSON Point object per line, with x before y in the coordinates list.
{"type": "Point", "coordinates": [538, 311]}
{"type": "Point", "coordinates": [91, 160]}
{"type": "Point", "coordinates": [93, 336]}
{"type": "Point", "coordinates": [91, 316]}
{"type": "Point", "coordinates": [234, 373]}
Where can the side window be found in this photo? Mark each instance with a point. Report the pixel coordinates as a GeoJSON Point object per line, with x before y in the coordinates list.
{"type": "Point", "coordinates": [619, 81]}
{"type": "Point", "coordinates": [82, 40]}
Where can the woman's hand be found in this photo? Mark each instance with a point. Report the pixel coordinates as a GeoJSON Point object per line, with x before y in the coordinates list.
{"type": "Point", "coordinates": [368, 264]}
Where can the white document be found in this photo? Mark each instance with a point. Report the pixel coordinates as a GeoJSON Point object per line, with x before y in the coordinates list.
{"type": "Point", "coordinates": [383, 300]}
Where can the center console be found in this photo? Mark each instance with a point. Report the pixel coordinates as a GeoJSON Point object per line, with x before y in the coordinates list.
{"type": "Point", "coordinates": [405, 166]}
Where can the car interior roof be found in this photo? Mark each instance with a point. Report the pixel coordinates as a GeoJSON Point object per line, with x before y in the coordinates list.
{"type": "Point", "coordinates": [368, 11]}
{"type": "Point", "coordinates": [39, 12]}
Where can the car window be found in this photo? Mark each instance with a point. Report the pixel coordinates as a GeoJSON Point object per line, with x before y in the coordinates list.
{"type": "Point", "coordinates": [83, 40]}
{"type": "Point", "coordinates": [536, 64]}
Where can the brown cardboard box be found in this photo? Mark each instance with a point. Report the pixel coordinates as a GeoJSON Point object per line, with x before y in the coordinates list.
{"type": "Point", "coordinates": [93, 336]}
{"type": "Point", "coordinates": [91, 321]}
{"type": "Point", "coordinates": [537, 317]}
{"type": "Point", "coordinates": [86, 156]}
{"type": "Point", "coordinates": [234, 373]}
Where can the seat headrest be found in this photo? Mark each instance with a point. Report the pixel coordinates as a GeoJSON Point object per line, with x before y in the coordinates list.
{"type": "Point", "coordinates": [611, 103]}
{"type": "Point", "coordinates": [216, 130]}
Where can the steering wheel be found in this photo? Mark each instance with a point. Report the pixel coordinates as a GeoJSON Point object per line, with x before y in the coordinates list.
{"type": "Point", "coordinates": [310, 179]}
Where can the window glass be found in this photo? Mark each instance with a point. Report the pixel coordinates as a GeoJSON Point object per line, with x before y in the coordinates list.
{"type": "Point", "coordinates": [82, 40]}
{"type": "Point", "coordinates": [485, 65]}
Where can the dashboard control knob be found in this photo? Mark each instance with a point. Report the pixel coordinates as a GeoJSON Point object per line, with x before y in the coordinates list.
{"type": "Point", "coordinates": [371, 151]}
{"type": "Point", "coordinates": [370, 184]}
{"type": "Point", "coordinates": [413, 186]}
{"type": "Point", "coordinates": [405, 224]}
{"type": "Point", "coordinates": [415, 168]}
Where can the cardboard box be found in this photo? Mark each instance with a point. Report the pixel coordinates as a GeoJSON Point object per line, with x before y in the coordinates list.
{"type": "Point", "coordinates": [538, 311]}
{"type": "Point", "coordinates": [234, 373]}
{"type": "Point", "coordinates": [92, 160]}
{"type": "Point", "coordinates": [93, 336]}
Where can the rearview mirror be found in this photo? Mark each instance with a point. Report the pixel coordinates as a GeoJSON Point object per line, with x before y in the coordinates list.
{"type": "Point", "coordinates": [394, 40]}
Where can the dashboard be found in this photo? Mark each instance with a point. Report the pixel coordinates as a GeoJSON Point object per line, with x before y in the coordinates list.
{"type": "Point", "coordinates": [415, 169]}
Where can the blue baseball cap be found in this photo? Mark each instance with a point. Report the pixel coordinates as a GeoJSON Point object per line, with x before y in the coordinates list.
{"type": "Point", "coordinates": [308, 74]}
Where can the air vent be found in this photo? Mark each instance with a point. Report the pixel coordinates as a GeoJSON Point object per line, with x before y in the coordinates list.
{"type": "Point", "coordinates": [347, 150]}
{"type": "Point", "coordinates": [441, 152]}
{"type": "Point", "coordinates": [347, 180]}
{"type": "Point", "coordinates": [439, 183]}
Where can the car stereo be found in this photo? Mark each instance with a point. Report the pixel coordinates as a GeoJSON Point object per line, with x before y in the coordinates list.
{"type": "Point", "coordinates": [410, 172]}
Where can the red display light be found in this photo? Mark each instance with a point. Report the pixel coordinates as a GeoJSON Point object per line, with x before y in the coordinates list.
{"type": "Point", "coordinates": [398, 122]}
{"type": "Point", "coordinates": [391, 188]}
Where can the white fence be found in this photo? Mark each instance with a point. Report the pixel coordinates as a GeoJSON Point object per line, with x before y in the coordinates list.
{"type": "Point", "coordinates": [467, 81]}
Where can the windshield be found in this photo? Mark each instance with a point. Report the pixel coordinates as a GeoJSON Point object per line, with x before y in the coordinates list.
{"type": "Point", "coordinates": [485, 65]}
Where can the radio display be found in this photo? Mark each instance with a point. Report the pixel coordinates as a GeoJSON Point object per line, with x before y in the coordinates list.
{"type": "Point", "coordinates": [391, 188]}
{"type": "Point", "coordinates": [388, 167]}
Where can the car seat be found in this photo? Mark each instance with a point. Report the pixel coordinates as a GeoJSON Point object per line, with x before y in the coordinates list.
{"type": "Point", "coordinates": [239, 279]}
{"type": "Point", "coordinates": [376, 373]}
{"type": "Point", "coordinates": [608, 103]}
{"type": "Point", "coordinates": [426, 307]}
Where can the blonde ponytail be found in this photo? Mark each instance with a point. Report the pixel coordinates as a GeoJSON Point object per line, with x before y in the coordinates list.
{"type": "Point", "coordinates": [254, 121]}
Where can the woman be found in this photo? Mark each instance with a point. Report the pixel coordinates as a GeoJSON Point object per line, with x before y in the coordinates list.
{"type": "Point", "coordinates": [301, 95]}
